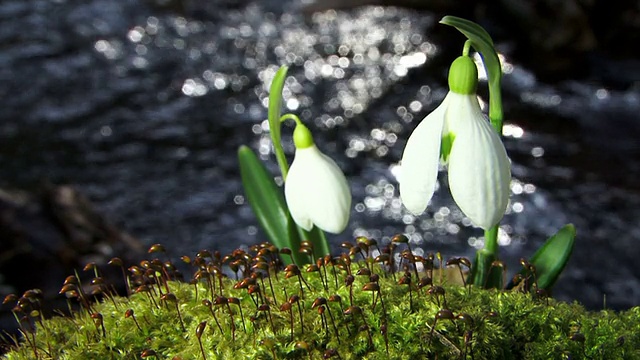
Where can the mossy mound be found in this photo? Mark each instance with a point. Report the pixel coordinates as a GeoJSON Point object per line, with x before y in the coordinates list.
{"type": "Point", "coordinates": [333, 310]}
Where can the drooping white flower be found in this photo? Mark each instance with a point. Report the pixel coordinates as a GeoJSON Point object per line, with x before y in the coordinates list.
{"type": "Point", "coordinates": [458, 132]}
{"type": "Point", "coordinates": [316, 190]}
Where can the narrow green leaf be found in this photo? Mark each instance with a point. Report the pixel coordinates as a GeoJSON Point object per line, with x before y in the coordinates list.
{"type": "Point", "coordinates": [481, 42]}
{"type": "Point", "coordinates": [268, 204]}
{"type": "Point", "coordinates": [274, 112]}
{"type": "Point", "coordinates": [551, 257]}
{"type": "Point", "coordinates": [467, 27]}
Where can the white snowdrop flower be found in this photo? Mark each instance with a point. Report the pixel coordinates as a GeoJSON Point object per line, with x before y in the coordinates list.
{"type": "Point", "coordinates": [458, 133]}
{"type": "Point", "coordinates": [316, 190]}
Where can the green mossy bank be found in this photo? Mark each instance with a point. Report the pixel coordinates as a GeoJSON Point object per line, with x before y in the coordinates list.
{"type": "Point", "coordinates": [375, 317]}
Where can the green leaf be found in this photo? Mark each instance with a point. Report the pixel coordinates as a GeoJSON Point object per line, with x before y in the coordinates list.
{"type": "Point", "coordinates": [268, 204]}
{"type": "Point", "coordinates": [274, 112]}
{"type": "Point", "coordinates": [551, 257]}
{"type": "Point", "coordinates": [470, 29]}
{"type": "Point", "coordinates": [481, 41]}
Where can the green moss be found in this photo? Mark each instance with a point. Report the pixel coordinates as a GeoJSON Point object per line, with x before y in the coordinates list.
{"type": "Point", "coordinates": [471, 323]}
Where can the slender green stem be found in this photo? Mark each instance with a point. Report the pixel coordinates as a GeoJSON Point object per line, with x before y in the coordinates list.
{"type": "Point", "coordinates": [282, 163]}
{"type": "Point", "coordinates": [466, 48]}
{"type": "Point", "coordinates": [275, 104]}
{"type": "Point", "coordinates": [293, 117]}
{"type": "Point", "coordinates": [491, 240]}
{"type": "Point", "coordinates": [282, 160]}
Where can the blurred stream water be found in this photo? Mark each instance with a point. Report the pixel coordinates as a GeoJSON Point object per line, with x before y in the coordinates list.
{"type": "Point", "coordinates": [143, 110]}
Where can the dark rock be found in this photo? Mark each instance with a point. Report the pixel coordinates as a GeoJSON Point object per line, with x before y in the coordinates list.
{"type": "Point", "coordinates": [48, 235]}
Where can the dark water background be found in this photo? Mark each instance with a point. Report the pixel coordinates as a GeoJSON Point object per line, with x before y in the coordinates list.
{"type": "Point", "coordinates": [143, 108]}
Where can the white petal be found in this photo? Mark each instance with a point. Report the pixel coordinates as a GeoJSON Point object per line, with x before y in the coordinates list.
{"type": "Point", "coordinates": [317, 191]}
{"type": "Point", "coordinates": [294, 189]}
{"type": "Point", "coordinates": [420, 160]}
{"type": "Point", "coordinates": [479, 169]}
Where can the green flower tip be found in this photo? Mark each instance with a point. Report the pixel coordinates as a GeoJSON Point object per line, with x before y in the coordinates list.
{"type": "Point", "coordinates": [302, 137]}
{"type": "Point", "coordinates": [463, 76]}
